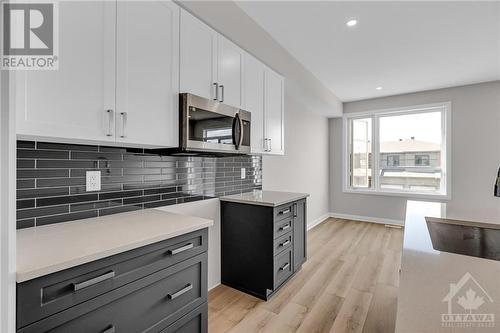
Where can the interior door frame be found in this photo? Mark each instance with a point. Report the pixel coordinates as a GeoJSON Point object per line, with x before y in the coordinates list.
{"type": "Point", "coordinates": [7, 203]}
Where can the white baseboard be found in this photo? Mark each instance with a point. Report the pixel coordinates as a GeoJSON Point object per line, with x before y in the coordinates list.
{"type": "Point", "coordinates": [216, 285]}
{"type": "Point", "coordinates": [318, 221]}
{"type": "Point", "coordinates": [379, 220]}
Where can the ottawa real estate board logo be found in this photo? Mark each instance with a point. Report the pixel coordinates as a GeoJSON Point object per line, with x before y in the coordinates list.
{"type": "Point", "coordinates": [469, 305]}
{"type": "Point", "coordinates": [29, 35]}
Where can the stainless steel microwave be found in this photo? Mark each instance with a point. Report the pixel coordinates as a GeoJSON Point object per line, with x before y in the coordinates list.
{"type": "Point", "coordinates": [208, 126]}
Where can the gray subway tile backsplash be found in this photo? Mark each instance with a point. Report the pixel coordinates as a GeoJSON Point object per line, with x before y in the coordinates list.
{"type": "Point", "coordinates": [51, 180]}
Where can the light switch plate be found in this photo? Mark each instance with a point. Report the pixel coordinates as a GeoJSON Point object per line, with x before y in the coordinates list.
{"type": "Point", "coordinates": [243, 173]}
{"type": "Point", "coordinates": [93, 181]}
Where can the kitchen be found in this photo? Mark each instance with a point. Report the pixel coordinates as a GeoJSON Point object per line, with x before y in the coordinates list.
{"type": "Point", "coordinates": [185, 168]}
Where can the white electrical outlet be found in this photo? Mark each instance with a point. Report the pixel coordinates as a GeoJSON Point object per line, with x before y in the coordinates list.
{"type": "Point", "coordinates": [93, 181]}
{"type": "Point", "coordinates": [243, 173]}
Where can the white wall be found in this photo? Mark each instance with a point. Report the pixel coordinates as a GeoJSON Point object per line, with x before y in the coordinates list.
{"type": "Point", "coordinates": [475, 113]}
{"type": "Point", "coordinates": [304, 168]}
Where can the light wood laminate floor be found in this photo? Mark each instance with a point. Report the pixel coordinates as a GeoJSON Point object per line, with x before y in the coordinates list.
{"type": "Point", "coordinates": [348, 284]}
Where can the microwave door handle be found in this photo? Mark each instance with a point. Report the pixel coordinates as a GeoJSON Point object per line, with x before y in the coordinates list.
{"type": "Point", "coordinates": [235, 140]}
{"type": "Point", "coordinates": [240, 141]}
{"type": "Point", "coordinates": [237, 122]}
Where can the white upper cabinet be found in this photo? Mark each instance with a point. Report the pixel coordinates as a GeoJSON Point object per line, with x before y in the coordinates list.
{"type": "Point", "coordinates": [198, 57]}
{"type": "Point", "coordinates": [274, 113]}
{"type": "Point", "coordinates": [211, 65]}
{"type": "Point", "coordinates": [118, 77]}
{"type": "Point", "coordinates": [70, 103]}
{"type": "Point", "coordinates": [230, 72]}
{"type": "Point", "coordinates": [253, 89]}
{"type": "Point", "coordinates": [147, 83]}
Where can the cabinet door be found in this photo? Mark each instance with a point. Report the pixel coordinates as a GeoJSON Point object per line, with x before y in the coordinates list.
{"type": "Point", "coordinates": [299, 234]}
{"type": "Point", "coordinates": [253, 94]}
{"type": "Point", "coordinates": [198, 57]}
{"type": "Point", "coordinates": [230, 65]}
{"type": "Point", "coordinates": [147, 73]}
{"type": "Point", "coordinates": [69, 104]}
{"type": "Point", "coordinates": [274, 113]}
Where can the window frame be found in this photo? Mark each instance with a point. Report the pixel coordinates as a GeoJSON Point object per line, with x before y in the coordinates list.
{"type": "Point", "coordinates": [421, 156]}
{"type": "Point", "coordinates": [395, 157]}
{"type": "Point", "coordinates": [444, 193]}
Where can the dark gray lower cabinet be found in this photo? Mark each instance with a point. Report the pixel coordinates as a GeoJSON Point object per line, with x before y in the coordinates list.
{"type": "Point", "coordinates": [166, 292]}
{"type": "Point", "coordinates": [299, 234]}
{"type": "Point", "coordinates": [262, 247]}
{"type": "Point", "coordinates": [195, 321]}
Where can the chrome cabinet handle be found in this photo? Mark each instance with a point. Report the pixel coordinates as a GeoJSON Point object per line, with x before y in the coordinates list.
{"type": "Point", "coordinates": [180, 292]}
{"type": "Point", "coordinates": [216, 85]}
{"type": "Point", "coordinates": [285, 227]}
{"type": "Point", "coordinates": [295, 208]}
{"type": "Point", "coordinates": [267, 145]}
{"type": "Point", "coordinates": [270, 145]}
{"type": "Point", "coordinates": [110, 114]}
{"type": "Point", "coordinates": [285, 243]}
{"type": "Point", "coordinates": [124, 123]}
{"type": "Point", "coordinates": [91, 282]}
{"type": "Point", "coordinates": [286, 211]}
{"type": "Point", "coordinates": [181, 249]}
{"type": "Point", "coordinates": [221, 93]}
{"type": "Point", "coordinates": [111, 329]}
{"type": "Point", "coordinates": [285, 266]}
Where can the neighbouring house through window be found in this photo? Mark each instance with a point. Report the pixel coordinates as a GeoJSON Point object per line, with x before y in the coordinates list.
{"type": "Point", "coordinates": [398, 151]}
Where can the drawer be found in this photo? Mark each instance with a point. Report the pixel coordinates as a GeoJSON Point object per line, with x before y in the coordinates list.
{"type": "Point", "coordinates": [283, 212]}
{"type": "Point", "coordinates": [194, 322]}
{"type": "Point", "coordinates": [44, 296]}
{"type": "Point", "coordinates": [282, 227]}
{"type": "Point", "coordinates": [147, 305]}
{"type": "Point", "coordinates": [282, 243]}
{"type": "Point", "coordinates": [282, 267]}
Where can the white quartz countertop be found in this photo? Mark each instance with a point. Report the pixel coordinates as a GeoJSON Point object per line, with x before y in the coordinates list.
{"type": "Point", "coordinates": [48, 249]}
{"type": "Point", "coordinates": [265, 198]}
{"type": "Point", "coordinates": [441, 291]}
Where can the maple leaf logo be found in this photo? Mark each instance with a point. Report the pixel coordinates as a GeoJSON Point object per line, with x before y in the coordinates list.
{"type": "Point", "coordinates": [470, 301]}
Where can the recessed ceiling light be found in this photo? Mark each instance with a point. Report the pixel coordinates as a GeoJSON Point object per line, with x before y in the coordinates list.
{"type": "Point", "coordinates": [379, 88]}
{"type": "Point", "coordinates": [352, 22]}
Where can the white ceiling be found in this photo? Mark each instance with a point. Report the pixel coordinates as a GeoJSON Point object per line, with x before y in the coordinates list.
{"type": "Point", "coordinates": [403, 46]}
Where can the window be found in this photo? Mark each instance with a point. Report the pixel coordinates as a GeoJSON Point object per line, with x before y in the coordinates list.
{"type": "Point", "coordinates": [398, 151]}
{"type": "Point", "coordinates": [422, 160]}
{"type": "Point", "coordinates": [214, 135]}
{"type": "Point", "coordinates": [361, 174]}
{"type": "Point", "coordinates": [392, 160]}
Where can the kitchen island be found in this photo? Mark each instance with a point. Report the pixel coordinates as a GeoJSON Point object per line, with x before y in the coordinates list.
{"type": "Point", "coordinates": [443, 291]}
{"type": "Point", "coordinates": [263, 240]}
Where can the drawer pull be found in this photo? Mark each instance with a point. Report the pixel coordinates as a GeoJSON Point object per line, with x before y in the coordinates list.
{"type": "Point", "coordinates": [111, 329]}
{"type": "Point", "coordinates": [180, 292]}
{"type": "Point", "coordinates": [285, 267]}
{"type": "Point", "coordinates": [91, 282]}
{"type": "Point", "coordinates": [283, 212]}
{"type": "Point", "coordinates": [181, 249]}
{"type": "Point", "coordinates": [285, 243]}
{"type": "Point", "coordinates": [285, 227]}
